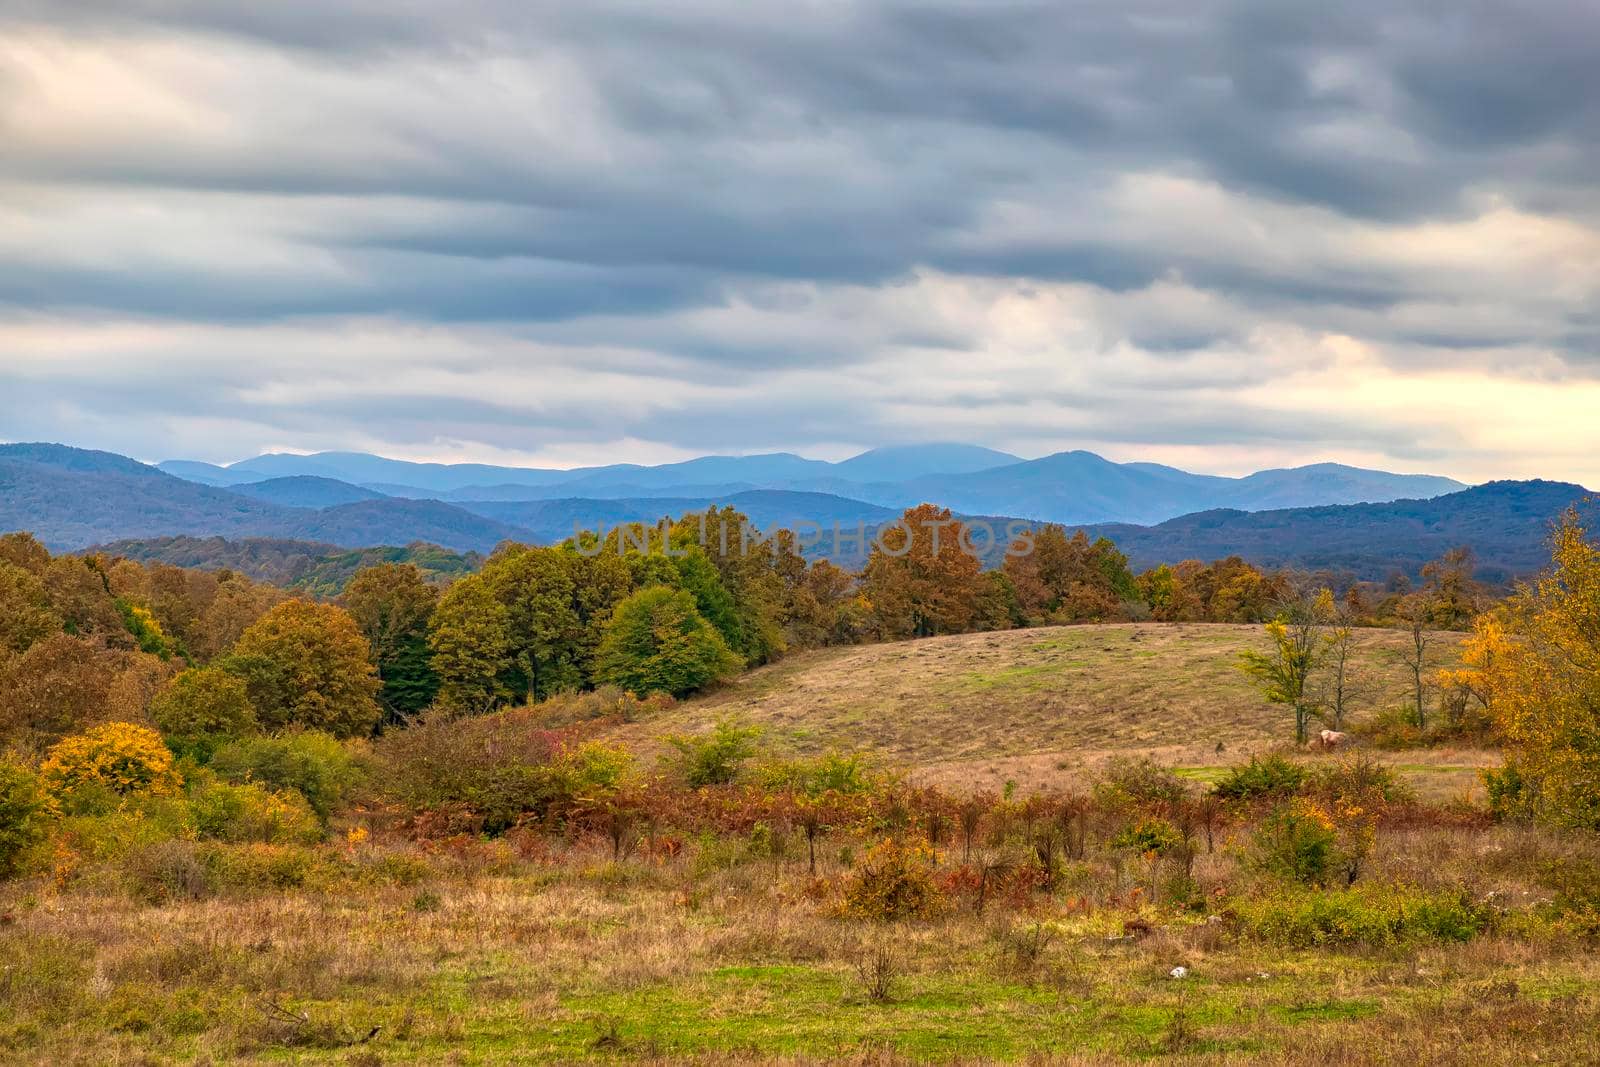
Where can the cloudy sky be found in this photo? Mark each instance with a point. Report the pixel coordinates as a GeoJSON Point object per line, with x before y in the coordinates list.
{"type": "Point", "coordinates": [1223, 235]}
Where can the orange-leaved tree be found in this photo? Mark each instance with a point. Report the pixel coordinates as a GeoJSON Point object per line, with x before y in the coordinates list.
{"type": "Point", "coordinates": [922, 577]}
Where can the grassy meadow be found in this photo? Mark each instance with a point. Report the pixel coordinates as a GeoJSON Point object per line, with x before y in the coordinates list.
{"type": "Point", "coordinates": [1092, 910]}
{"type": "Point", "coordinates": [1048, 706]}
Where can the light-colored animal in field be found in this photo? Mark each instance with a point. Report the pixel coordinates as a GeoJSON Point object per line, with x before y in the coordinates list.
{"type": "Point", "coordinates": [1329, 739]}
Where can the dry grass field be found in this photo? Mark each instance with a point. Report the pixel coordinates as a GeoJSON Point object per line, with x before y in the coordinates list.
{"type": "Point", "coordinates": [1049, 706]}
{"type": "Point", "coordinates": [497, 956]}
{"type": "Point", "coordinates": [1462, 942]}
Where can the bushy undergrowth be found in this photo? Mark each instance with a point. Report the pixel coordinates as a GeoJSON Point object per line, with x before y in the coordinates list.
{"type": "Point", "coordinates": [845, 773]}
{"type": "Point", "coordinates": [602, 704]}
{"type": "Point", "coordinates": [1265, 776]}
{"type": "Point", "coordinates": [1370, 916]}
{"type": "Point", "coordinates": [252, 812]}
{"type": "Point", "coordinates": [490, 772]}
{"type": "Point", "coordinates": [315, 765]}
{"type": "Point", "coordinates": [1396, 728]}
{"type": "Point", "coordinates": [1297, 843]}
{"type": "Point", "coordinates": [22, 814]}
{"type": "Point", "coordinates": [494, 792]}
{"type": "Point", "coordinates": [714, 758]}
{"type": "Point", "coordinates": [1128, 782]}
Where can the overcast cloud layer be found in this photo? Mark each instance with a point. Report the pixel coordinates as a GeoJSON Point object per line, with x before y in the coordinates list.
{"type": "Point", "coordinates": [1224, 235]}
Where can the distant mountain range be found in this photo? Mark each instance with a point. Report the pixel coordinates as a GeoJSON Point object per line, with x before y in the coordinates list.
{"type": "Point", "coordinates": [1068, 487]}
{"type": "Point", "coordinates": [74, 498]}
{"type": "Point", "coordinates": [1507, 525]}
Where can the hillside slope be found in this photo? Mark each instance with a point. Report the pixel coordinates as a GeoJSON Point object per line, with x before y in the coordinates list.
{"type": "Point", "coordinates": [1082, 487]}
{"type": "Point", "coordinates": [1507, 524]}
{"type": "Point", "coordinates": [1031, 704]}
{"type": "Point", "coordinates": [71, 498]}
{"type": "Point", "coordinates": [316, 567]}
{"type": "Point", "coordinates": [305, 491]}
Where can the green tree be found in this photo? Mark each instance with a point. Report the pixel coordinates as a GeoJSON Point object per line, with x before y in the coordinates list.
{"type": "Point", "coordinates": [471, 646]}
{"type": "Point", "coordinates": [392, 604]}
{"type": "Point", "coordinates": [698, 576]}
{"type": "Point", "coordinates": [1284, 671]}
{"type": "Point", "coordinates": [599, 583]}
{"type": "Point", "coordinates": [659, 642]}
{"type": "Point", "coordinates": [308, 665]}
{"type": "Point", "coordinates": [542, 626]}
{"type": "Point", "coordinates": [202, 706]}
{"type": "Point", "coordinates": [757, 568]}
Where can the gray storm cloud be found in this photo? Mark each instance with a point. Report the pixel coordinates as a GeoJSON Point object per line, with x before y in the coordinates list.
{"type": "Point", "coordinates": [1224, 232]}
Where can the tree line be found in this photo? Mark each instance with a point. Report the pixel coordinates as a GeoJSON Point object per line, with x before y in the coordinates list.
{"type": "Point", "coordinates": [647, 608]}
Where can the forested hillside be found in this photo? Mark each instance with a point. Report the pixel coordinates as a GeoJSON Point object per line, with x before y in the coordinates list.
{"type": "Point", "coordinates": [71, 498]}
{"type": "Point", "coordinates": [1507, 525]}
{"type": "Point", "coordinates": [317, 568]}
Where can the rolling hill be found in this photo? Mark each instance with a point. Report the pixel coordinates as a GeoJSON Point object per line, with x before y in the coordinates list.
{"type": "Point", "coordinates": [1039, 705]}
{"type": "Point", "coordinates": [305, 491]}
{"type": "Point", "coordinates": [1081, 487]}
{"type": "Point", "coordinates": [316, 567]}
{"type": "Point", "coordinates": [1507, 524]}
{"type": "Point", "coordinates": [71, 498]}
{"type": "Point", "coordinates": [554, 520]}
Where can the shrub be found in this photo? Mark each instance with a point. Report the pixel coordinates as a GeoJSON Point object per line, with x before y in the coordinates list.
{"type": "Point", "coordinates": [714, 758]}
{"type": "Point", "coordinates": [1268, 776]}
{"type": "Point", "coordinates": [893, 881]}
{"type": "Point", "coordinates": [1138, 782]}
{"type": "Point", "coordinates": [200, 708]}
{"type": "Point", "coordinates": [606, 702]}
{"type": "Point", "coordinates": [500, 768]}
{"type": "Point", "coordinates": [167, 870]}
{"type": "Point", "coordinates": [1574, 885]}
{"type": "Point", "coordinates": [1374, 916]}
{"type": "Point", "coordinates": [22, 811]}
{"type": "Point", "coordinates": [1509, 795]}
{"type": "Point", "coordinates": [260, 867]}
{"type": "Point", "coordinates": [1149, 837]}
{"type": "Point", "coordinates": [1297, 842]}
{"type": "Point", "coordinates": [832, 772]}
{"type": "Point", "coordinates": [250, 812]}
{"type": "Point", "coordinates": [311, 763]}
{"type": "Point", "coordinates": [117, 756]}
{"type": "Point", "coordinates": [1358, 780]}
{"type": "Point", "coordinates": [1392, 728]}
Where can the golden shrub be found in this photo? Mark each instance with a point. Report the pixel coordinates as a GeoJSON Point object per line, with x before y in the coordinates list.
{"type": "Point", "coordinates": [118, 756]}
{"type": "Point", "coordinates": [894, 881]}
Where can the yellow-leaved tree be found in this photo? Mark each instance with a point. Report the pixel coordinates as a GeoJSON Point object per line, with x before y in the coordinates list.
{"type": "Point", "coordinates": [1296, 651]}
{"type": "Point", "coordinates": [1540, 677]}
